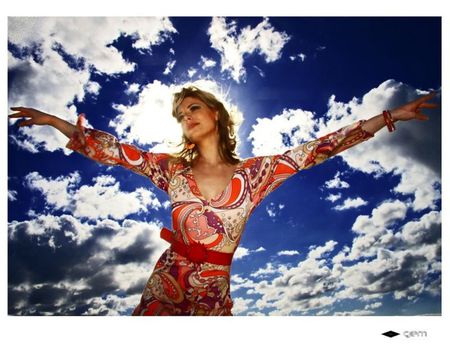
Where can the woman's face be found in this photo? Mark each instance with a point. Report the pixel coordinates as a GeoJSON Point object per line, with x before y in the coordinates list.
{"type": "Point", "coordinates": [196, 118]}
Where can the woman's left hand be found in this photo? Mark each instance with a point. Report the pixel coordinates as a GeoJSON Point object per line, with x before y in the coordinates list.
{"type": "Point", "coordinates": [412, 110]}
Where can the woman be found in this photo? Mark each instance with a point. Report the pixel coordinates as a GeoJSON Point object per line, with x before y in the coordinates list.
{"type": "Point", "coordinates": [212, 191]}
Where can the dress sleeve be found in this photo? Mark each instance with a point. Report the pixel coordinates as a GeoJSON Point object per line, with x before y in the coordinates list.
{"type": "Point", "coordinates": [106, 149]}
{"type": "Point", "coordinates": [269, 172]}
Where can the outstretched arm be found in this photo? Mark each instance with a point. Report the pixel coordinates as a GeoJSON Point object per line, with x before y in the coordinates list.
{"type": "Point", "coordinates": [269, 172]}
{"type": "Point", "coordinates": [37, 117]}
{"type": "Point", "coordinates": [408, 111]}
{"type": "Point", "coordinates": [103, 147]}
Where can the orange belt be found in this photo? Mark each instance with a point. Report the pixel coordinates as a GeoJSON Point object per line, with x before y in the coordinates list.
{"type": "Point", "coordinates": [196, 252]}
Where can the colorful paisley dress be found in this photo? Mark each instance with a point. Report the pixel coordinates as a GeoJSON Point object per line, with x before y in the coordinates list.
{"type": "Point", "coordinates": [178, 286]}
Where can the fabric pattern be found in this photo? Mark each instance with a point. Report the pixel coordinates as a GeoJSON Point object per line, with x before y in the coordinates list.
{"type": "Point", "coordinates": [178, 286]}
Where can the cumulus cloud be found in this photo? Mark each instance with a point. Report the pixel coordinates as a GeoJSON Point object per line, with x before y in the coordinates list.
{"type": "Point", "coordinates": [131, 88]}
{"type": "Point", "coordinates": [281, 132]}
{"type": "Point", "coordinates": [372, 231]}
{"type": "Point", "coordinates": [233, 46]}
{"type": "Point", "coordinates": [12, 195]}
{"type": "Point", "coordinates": [403, 263]}
{"type": "Point", "coordinates": [274, 210]}
{"type": "Point", "coordinates": [336, 182]}
{"type": "Point", "coordinates": [333, 197]}
{"type": "Point", "coordinates": [207, 63]}
{"type": "Point", "coordinates": [46, 81]}
{"type": "Point", "coordinates": [240, 305]}
{"type": "Point", "coordinates": [269, 269]}
{"type": "Point", "coordinates": [191, 72]}
{"type": "Point", "coordinates": [242, 252]}
{"type": "Point", "coordinates": [150, 120]}
{"type": "Point", "coordinates": [351, 203]}
{"type": "Point", "coordinates": [169, 67]}
{"type": "Point", "coordinates": [51, 86]}
{"type": "Point", "coordinates": [260, 72]}
{"type": "Point", "coordinates": [412, 153]}
{"type": "Point", "coordinates": [80, 37]}
{"type": "Point", "coordinates": [97, 265]}
{"type": "Point", "coordinates": [298, 57]}
{"type": "Point", "coordinates": [287, 253]}
{"type": "Point", "coordinates": [104, 199]}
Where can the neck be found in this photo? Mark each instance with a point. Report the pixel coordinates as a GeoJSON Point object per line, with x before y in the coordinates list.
{"type": "Point", "coordinates": [208, 150]}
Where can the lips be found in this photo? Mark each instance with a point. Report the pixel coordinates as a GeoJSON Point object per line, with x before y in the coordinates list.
{"type": "Point", "coordinates": [191, 126]}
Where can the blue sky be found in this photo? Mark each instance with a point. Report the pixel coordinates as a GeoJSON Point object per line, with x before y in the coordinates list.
{"type": "Point", "coordinates": [357, 235]}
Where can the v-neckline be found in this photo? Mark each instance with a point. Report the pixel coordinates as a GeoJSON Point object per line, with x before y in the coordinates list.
{"type": "Point", "coordinates": [199, 194]}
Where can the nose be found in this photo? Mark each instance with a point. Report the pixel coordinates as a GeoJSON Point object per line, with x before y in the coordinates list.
{"type": "Point", "coordinates": [187, 116]}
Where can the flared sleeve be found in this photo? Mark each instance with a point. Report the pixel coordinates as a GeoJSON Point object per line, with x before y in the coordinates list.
{"type": "Point", "coordinates": [106, 149]}
{"type": "Point", "coordinates": [268, 172]}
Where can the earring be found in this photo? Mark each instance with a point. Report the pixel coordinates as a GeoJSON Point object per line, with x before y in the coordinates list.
{"type": "Point", "coordinates": [189, 146]}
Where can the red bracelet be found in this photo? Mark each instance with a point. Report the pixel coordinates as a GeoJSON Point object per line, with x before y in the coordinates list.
{"type": "Point", "coordinates": [392, 119]}
{"type": "Point", "coordinates": [388, 120]}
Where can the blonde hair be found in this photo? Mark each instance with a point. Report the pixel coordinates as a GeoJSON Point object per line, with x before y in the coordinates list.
{"type": "Point", "coordinates": [227, 137]}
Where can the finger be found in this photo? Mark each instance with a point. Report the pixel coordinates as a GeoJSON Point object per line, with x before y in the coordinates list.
{"type": "Point", "coordinates": [429, 105]}
{"type": "Point", "coordinates": [420, 116]}
{"type": "Point", "coordinates": [428, 96]}
{"type": "Point", "coordinates": [26, 123]}
{"type": "Point", "coordinates": [16, 115]}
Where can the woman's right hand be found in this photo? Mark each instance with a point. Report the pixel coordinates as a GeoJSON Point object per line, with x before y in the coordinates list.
{"type": "Point", "coordinates": [35, 117]}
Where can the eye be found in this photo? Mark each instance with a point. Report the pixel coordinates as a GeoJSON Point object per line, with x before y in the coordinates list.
{"type": "Point", "coordinates": [179, 117]}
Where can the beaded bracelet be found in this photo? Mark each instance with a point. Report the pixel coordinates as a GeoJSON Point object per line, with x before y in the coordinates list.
{"type": "Point", "coordinates": [389, 120]}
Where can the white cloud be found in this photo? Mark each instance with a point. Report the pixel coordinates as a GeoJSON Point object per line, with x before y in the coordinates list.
{"type": "Point", "coordinates": [232, 46]}
{"type": "Point", "coordinates": [321, 251]}
{"type": "Point", "coordinates": [80, 37]}
{"type": "Point", "coordinates": [281, 132]}
{"type": "Point", "coordinates": [267, 270]}
{"type": "Point", "coordinates": [351, 203]}
{"type": "Point", "coordinates": [400, 267]}
{"type": "Point", "coordinates": [357, 312]}
{"type": "Point", "coordinates": [259, 70]}
{"type": "Point", "coordinates": [207, 63]}
{"type": "Point", "coordinates": [241, 305]}
{"type": "Point", "coordinates": [116, 259]}
{"type": "Point", "coordinates": [274, 210]}
{"type": "Point", "coordinates": [298, 57]}
{"type": "Point", "coordinates": [241, 252]}
{"type": "Point", "coordinates": [191, 72]}
{"type": "Point", "coordinates": [169, 67]}
{"type": "Point", "coordinates": [299, 288]}
{"type": "Point", "coordinates": [336, 182]}
{"type": "Point", "coordinates": [132, 88]}
{"type": "Point", "coordinates": [373, 230]}
{"type": "Point", "coordinates": [46, 224]}
{"type": "Point", "coordinates": [102, 200]}
{"type": "Point", "coordinates": [58, 191]}
{"type": "Point", "coordinates": [412, 152]}
{"type": "Point", "coordinates": [52, 85]}
{"type": "Point", "coordinates": [373, 305]}
{"type": "Point", "coordinates": [111, 305]}
{"type": "Point", "coordinates": [422, 231]}
{"type": "Point", "coordinates": [93, 87]}
{"type": "Point", "coordinates": [333, 197]}
{"type": "Point", "coordinates": [12, 195]}
{"type": "Point", "coordinates": [150, 119]}
{"type": "Point", "coordinates": [288, 253]}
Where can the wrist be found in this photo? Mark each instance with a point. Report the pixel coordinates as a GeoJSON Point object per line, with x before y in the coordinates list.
{"type": "Point", "coordinates": [50, 120]}
{"type": "Point", "coordinates": [395, 113]}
